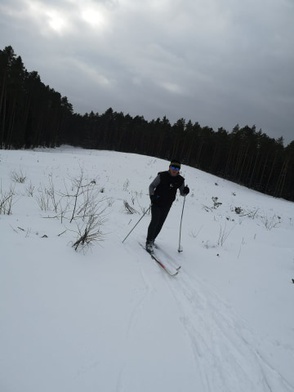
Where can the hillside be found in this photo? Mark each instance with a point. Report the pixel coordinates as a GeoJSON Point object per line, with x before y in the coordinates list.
{"type": "Point", "coordinates": [106, 317]}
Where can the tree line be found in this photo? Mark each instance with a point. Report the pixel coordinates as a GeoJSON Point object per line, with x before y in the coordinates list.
{"type": "Point", "coordinates": [34, 115]}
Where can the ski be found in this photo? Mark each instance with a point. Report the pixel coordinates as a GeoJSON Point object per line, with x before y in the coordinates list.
{"type": "Point", "coordinates": [173, 263]}
{"type": "Point", "coordinates": [161, 264]}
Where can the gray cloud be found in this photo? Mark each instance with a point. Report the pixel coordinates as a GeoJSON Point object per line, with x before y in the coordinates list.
{"type": "Point", "coordinates": [216, 62]}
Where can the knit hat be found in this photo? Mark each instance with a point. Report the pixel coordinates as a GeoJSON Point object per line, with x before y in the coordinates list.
{"type": "Point", "coordinates": [175, 163]}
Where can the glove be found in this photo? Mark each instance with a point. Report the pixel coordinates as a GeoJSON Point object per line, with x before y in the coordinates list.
{"type": "Point", "coordinates": [153, 198]}
{"type": "Point", "coordinates": [186, 190]}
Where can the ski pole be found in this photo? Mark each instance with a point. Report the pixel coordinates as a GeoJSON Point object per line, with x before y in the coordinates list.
{"type": "Point", "coordinates": [180, 248]}
{"type": "Point", "coordinates": [137, 223]}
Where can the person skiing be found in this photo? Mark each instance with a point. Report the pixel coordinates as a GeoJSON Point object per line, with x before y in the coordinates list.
{"type": "Point", "coordinates": [162, 192]}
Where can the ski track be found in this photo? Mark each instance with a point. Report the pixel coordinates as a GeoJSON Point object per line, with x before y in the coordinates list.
{"type": "Point", "coordinates": [225, 353]}
{"type": "Point", "coordinates": [221, 343]}
{"type": "Point", "coordinates": [138, 308]}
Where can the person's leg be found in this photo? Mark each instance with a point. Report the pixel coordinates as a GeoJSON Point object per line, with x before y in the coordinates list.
{"type": "Point", "coordinates": [163, 215]}
{"type": "Point", "coordinates": [155, 221]}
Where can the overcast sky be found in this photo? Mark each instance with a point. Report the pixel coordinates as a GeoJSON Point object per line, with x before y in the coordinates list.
{"type": "Point", "coordinates": [218, 62]}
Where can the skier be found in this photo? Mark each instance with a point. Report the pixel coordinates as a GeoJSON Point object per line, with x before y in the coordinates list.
{"type": "Point", "coordinates": [162, 192]}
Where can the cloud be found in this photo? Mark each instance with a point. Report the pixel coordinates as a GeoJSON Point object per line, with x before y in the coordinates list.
{"type": "Point", "coordinates": [216, 62]}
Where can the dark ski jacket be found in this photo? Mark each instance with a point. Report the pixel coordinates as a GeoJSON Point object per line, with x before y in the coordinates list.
{"type": "Point", "coordinates": [165, 187]}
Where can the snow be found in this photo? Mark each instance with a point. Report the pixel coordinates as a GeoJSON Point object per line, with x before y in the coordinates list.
{"type": "Point", "coordinates": [108, 318]}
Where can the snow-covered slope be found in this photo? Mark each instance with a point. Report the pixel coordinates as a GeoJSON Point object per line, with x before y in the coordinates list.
{"type": "Point", "coordinates": [108, 318]}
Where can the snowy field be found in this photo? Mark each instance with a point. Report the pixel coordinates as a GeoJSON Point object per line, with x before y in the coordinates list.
{"type": "Point", "coordinates": [105, 317]}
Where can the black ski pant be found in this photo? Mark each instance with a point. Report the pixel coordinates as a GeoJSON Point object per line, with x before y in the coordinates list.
{"type": "Point", "coordinates": [158, 217]}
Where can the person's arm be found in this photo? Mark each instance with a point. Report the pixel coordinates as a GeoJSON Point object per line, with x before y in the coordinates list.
{"type": "Point", "coordinates": [154, 184]}
{"type": "Point", "coordinates": [184, 189]}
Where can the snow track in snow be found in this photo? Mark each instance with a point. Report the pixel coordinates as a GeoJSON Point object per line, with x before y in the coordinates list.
{"type": "Point", "coordinates": [223, 347]}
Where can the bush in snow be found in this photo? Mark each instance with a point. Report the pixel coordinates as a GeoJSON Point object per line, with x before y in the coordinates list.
{"type": "Point", "coordinates": [18, 177]}
{"type": "Point", "coordinates": [6, 199]}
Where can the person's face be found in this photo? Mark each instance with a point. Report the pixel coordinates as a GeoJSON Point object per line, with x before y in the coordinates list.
{"type": "Point", "coordinates": [174, 171]}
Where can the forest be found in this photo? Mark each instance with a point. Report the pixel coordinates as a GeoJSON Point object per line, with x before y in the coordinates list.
{"type": "Point", "coordinates": [35, 115]}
